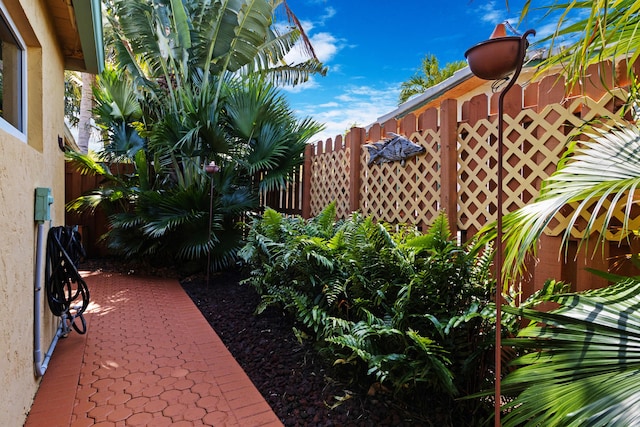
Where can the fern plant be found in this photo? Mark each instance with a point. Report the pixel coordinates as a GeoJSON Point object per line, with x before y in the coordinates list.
{"type": "Point", "coordinates": [407, 310]}
{"type": "Point", "coordinates": [293, 265]}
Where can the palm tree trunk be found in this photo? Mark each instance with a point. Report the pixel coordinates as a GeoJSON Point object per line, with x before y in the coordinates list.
{"type": "Point", "coordinates": [86, 105]}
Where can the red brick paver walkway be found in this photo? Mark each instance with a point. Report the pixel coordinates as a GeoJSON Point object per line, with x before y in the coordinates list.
{"type": "Point", "coordinates": [149, 358]}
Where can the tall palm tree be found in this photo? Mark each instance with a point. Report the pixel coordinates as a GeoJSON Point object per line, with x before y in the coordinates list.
{"type": "Point", "coordinates": [72, 96]}
{"type": "Point", "coordinates": [182, 54]}
{"type": "Point", "coordinates": [86, 105]}
{"type": "Point", "coordinates": [175, 40]}
{"type": "Point", "coordinates": [429, 75]}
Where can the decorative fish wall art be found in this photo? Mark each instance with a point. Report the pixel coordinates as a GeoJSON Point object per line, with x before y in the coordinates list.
{"type": "Point", "coordinates": [393, 149]}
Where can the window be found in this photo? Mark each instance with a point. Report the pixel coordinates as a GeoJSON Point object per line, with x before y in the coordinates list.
{"type": "Point", "coordinates": [12, 76]}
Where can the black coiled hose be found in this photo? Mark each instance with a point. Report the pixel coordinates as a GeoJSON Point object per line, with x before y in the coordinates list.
{"type": "Point", "coordinates": [62, 280]}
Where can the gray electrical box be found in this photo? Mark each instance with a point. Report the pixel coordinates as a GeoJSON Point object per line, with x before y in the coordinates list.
{"type": "Point", "coordinates": [43, 202]}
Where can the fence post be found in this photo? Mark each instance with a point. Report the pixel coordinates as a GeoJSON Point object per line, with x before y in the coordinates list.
{"type": "Point", "coordinates": [306, 182]}
{"type": "Point", "coordinates": [548, 264]}
{"type": "Point", "coordinates": [449, 161]}
{"type": "Point", "coordinates": [355, 139]}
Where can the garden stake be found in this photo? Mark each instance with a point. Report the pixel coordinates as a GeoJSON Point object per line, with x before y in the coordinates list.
{"type": "Point", "coordinates": [210, 169]}
{"type": "Point", "coordinates": [491, 60]}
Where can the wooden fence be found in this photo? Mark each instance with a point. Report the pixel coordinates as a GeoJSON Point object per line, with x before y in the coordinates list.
{"type": "Point", "coordinates": [92, 224]}
{"type": "Point", "coordinates": [458, 173]}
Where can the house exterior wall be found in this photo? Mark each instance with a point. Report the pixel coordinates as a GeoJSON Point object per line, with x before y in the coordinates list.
{"type": "Point", "coordinates": [26, 164]}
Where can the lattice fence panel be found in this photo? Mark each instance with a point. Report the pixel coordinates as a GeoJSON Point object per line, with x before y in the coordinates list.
{"type": "Point", "coordinates": [533, 143]}
{"type": "Point", "coordinates": [476, 174]}
{"type": "Point", "coordinates": [330, 182]}
{"type": "Point", "coordinates": [408, 194]}
{"type": "Point", "coordinates": [590, 110]}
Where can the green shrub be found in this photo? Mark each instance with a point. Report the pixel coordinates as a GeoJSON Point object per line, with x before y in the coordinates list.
{"type": "Point", "coordinates": [412, 312]}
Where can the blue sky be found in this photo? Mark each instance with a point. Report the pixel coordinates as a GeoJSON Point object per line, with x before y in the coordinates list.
{"type": "Point", "coordinates": [371, 46]}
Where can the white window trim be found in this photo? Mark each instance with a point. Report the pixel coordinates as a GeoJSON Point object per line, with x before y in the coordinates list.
{"type": "Point", "coordinates": [5, 125]}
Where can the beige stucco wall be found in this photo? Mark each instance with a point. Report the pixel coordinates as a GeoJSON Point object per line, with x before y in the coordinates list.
{"type": "Point", "coordinates": [38, 162]}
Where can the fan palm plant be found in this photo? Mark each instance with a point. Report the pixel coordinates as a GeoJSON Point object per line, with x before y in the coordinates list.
{"type": "Point", "coordinates": [597, 176]}
{"type": "Point", "coordinates": [191, 84]}
{"type": "Point", "coordinates": [582, 365]}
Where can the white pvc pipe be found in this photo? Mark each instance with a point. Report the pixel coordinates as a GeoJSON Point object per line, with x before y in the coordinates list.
{"type": "Point", "coordinates": [40, 364]}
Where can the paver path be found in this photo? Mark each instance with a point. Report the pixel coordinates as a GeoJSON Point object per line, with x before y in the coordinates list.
{"type": "Point", "coordinates": [149, 358]}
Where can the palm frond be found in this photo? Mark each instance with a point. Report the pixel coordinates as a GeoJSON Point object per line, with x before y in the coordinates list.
{"type": "Point", "coordinates": [86, 203]}
{"type": "Point", "coordinates": [589, 32]}
{"type": "Point", "coordinates": [294, 74]}
{"type": "Point", "coordinates": [599, 177]}
{"type": "Point", "coordinates": [87, 165]}
{"type": "Point", "coordinates": [583, 363]}
{"type": "Point", "coordinates": [137, 24]}
{"type": "Point", "coordinates": [166, 212]}
{"type": "Point", "coordinates": [244, 29]}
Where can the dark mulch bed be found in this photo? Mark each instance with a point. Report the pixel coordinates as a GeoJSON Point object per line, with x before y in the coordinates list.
{"type": "Point", "coordinates": [299, 385]}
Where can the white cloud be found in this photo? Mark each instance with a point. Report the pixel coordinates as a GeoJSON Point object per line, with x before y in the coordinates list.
{"type": "Point", "coordinates": [329, 13]}
{"type": "Point", "coordinates": [546, 30]}
{"type": "Point", "coordinates": [489, 13]}
{"type": "Point", "coordinates": [307, 25]}
{"type": "Point", "coordinates": [353, 105]}
{"type": "Point", "coordinates": [309, 84]}
{"type": "Point", "coordinates": [546, 25]}
{"type": "Point", "coordinates": [345, 97]}
{"type": "Point", "coordinates": [364, 105]}
{"type": "Point", "coordinates": [335, 68]}
{"type": "Point", "coordinates": [495, 13]}
{"type": "Point", "coordinates": [325, 45]}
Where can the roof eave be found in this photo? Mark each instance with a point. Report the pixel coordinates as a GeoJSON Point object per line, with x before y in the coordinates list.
{"type": "Point", "coordinates": [88, 15]}
{"type": "Point", "coordinates": [431, 93]}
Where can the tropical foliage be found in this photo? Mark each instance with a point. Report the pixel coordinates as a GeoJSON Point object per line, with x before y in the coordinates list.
{"type": "Point", "coordinates": [192, 82]}
{"type": "Point", "coordinates": [429, 75]}
{"type": "Point", "coordinates": [581, 363]}
{"type": "Point", "coordinates": [589, 32]}
{"type": "Point", "coordinates": [597, 176]}
{"type": "Point", "coordinates": [590, 338]}
{"type": "Point", "coordinates": [72, 95]}
{"type": "Point", "coordinates": [407, 311]}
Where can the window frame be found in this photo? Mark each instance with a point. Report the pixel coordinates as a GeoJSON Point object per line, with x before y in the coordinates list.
{"type": "Point", "coordinates": [20, 131]}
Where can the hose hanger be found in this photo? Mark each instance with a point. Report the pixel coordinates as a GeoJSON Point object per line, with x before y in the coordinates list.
{"type": "Point", "coordinates": [63, 283]}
